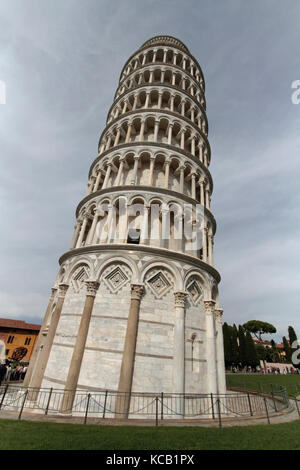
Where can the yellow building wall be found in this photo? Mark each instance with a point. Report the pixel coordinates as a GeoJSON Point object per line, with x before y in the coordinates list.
{"type": "Point", "coordinates": [19, 340]}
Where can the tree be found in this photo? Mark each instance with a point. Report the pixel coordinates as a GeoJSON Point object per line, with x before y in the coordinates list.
{"type": "Point", "coordinates": [259, 328]}
{"type": "Point", "coordinates": [251, 355]}
{"type": "Point", "coordinates": [287, 349]}
{"type": "Point", "coordinates": [242, 347]}
{"type": "Point", "coordinates": [261, 352]}
{"type": "Point", "coordinates": [227, 345]}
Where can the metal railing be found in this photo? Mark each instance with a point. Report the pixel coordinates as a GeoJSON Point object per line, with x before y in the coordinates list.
{"type": "Point", "coordinates": [150, 406]}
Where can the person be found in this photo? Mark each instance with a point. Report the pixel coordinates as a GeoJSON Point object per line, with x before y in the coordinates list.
{"type": "Point", "coordinates": [2, 372]}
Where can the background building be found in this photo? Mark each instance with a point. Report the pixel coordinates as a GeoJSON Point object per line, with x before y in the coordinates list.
{"type": "Point", "coordinates": [19, 338]}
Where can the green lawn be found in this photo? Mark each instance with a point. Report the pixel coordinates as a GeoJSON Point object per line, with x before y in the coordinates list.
{"type": "Point", "coordinates": [17, 435]}
{"type": "Point", "coordinates": [255, 381]}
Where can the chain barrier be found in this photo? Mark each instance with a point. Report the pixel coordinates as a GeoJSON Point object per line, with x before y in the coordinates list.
{"type": "Point", "coordinates": [202, 406]}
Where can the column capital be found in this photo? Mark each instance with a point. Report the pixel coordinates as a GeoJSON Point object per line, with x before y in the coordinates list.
{"type": "Point", "coordinates": [137, 291]}
{"type": "Point", "coordinates": [63, 287]}
{"type": "Point", "coordinates": [209, 306]}
{"type": "Point", "coordinates": [218, 314]}
{"type": "Point", "coordinates": [92, 287]}
{"type": "Point", "coordinates": [53, 291]}
{"type": "Point", "coordinates": [180, 298]}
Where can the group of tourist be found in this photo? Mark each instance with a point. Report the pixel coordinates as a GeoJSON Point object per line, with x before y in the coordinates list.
{"type": "Point", "coordinates": [268, 370]}
{"type": "Point", "coordinates": [9, 373]}
{"type": "Point", "coordinates": [276, 370]}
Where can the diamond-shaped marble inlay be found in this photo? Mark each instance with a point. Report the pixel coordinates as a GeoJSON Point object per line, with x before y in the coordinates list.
{"type": "Point", "coordinates": [79, 278]}
{"type": "Point", "coordinates": [116, 279]}
{"type": "Point", "coordinates": [195, 291]}
{"type": "Point", "coordinates": [159, 284]}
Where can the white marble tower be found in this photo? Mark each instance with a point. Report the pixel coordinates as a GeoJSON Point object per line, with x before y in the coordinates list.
{"type": "Point", "coordinates": [135, 305]}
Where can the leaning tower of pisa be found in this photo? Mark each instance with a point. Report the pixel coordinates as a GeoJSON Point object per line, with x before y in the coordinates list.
{"type": "Point", "coordinates": [135, 304]}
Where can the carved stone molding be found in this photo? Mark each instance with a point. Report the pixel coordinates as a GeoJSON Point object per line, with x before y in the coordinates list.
{"type": "Point", "coordinates": [218, 314]}
{"type": "Point", "coordinates": [137, 291]}
{"type": "Point", "coordinates": [209, 306]}
{"type": "Point", "coordinates": [63, 287]}
{"type": "Point", "coordinates": [180, 298]}
{"type": "Point", "coordinates": [91, 288]}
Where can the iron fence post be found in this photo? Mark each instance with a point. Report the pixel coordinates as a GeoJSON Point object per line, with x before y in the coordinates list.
{"type": "Point", "coordinates": [250, 407]}
{"type": "Point", "coordinates": [104, 407]}
{"type": "Point", "coordinates": [273, 396]}
{"type": "Point", "coordinates": [3, 396]}
{"type": "Point", "coordinates": [212, 405]}
{"type": "Point", "coordinates": [296, 401]}
{"type": "Point", "coordinates": [87, 408]}
{"type": "Point", "coordinates": [23, 404]}
{"type": "Point", "coordinates": [48, 402]}
{"type": "Point", "coordinates": [162, 405]}
{"type": "Point", "coordinates": [219, 413]}
{"type": "Point", "coordinates": [156, 411]}
{"type": "Point", "coordinates": [267, 411]}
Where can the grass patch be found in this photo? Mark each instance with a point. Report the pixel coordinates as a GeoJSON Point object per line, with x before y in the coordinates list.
{"type": "Point", "coordinates": [253, 382]}
{"type": "Point", "coordinates": [19, 435]}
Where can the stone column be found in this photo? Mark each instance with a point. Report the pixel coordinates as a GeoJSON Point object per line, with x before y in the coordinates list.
{"type": "Point", "coordinates": [38, 375]}
{"type": "Point", "coordinates": [119, 175]}
{"type": "Point", "coordinates": [128, 133]}
{"type": "Point", "coordinates": [210, 248]}
{"type": "Point", "coordinates": [82, 231]}
{"type": "Point", "coordinates": [76, 361]}
{"type": "Point", "coordinates": [179, 349]}
{"type": "Point", "coordinates": [212, 386]}
{"type": "Point", "coordinates": [220, 352]}
{"type": "Point", "coordinates": [167, 171]}
{"type": "Point", "coordinates": [75, 236]}
{"type": "Point", "coordinates": [135, 168]}
{"type": "Point", "coordinates": [127, 366]}
{"type": "Point", "coordinates": [193, 177]}
{"type": "Point", "coordinates": [204, 244]}
{"type": "Point", "coordinates": [144, 234]}
{"type": "Point", "coordinates": [97, 182]}
{"type": "Point", "coordinates": [107, 175]}
{"type": "Point", "coordinates": [91, 234]}
{"type": "Point", "coordinates": [152, 159]}
{"type": "Point", "coordinates": [142, 130]}
{"type": "Point", "coordinates": [39, 341]}
{"type": "Point", "coordinates": [116, 142]}
{"type": "Point", "coordinates": [156, 127]}
{"type": "Point", "coordinates": [202, 197]}
{"type": "Point", "coordinates": [181, 183]}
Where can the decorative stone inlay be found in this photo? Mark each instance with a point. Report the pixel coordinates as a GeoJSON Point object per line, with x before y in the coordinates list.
{"type": "Point", "coordinates": [195, 291]}
{"type": "Point", "coordinates": [116, 279]}
{"type": "Point", "coordinates": [92, 287]}
{"type": "Point", "coordinates": [159, 284]}
{"type": "Point", "coordinates": [79, 277]}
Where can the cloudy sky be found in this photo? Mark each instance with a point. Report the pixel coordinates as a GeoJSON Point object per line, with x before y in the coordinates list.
{"type": "Point", "coordinates": [61, 61]}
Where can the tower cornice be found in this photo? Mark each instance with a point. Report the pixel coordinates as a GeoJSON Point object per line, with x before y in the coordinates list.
{"type": "Point", "coordinates": [143, 189]}
{"type": "Point", "coordinates": [174, 255]}
{"type": "Point", "coordinates": [150, 111]}
{"type": "Point", "coordinates": [154, 86]}
{"type": "Point", "coordinates": [148, 145]}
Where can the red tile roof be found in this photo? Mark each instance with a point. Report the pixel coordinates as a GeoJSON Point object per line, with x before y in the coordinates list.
{"type": "Point", "coordinates": [18, 324]}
